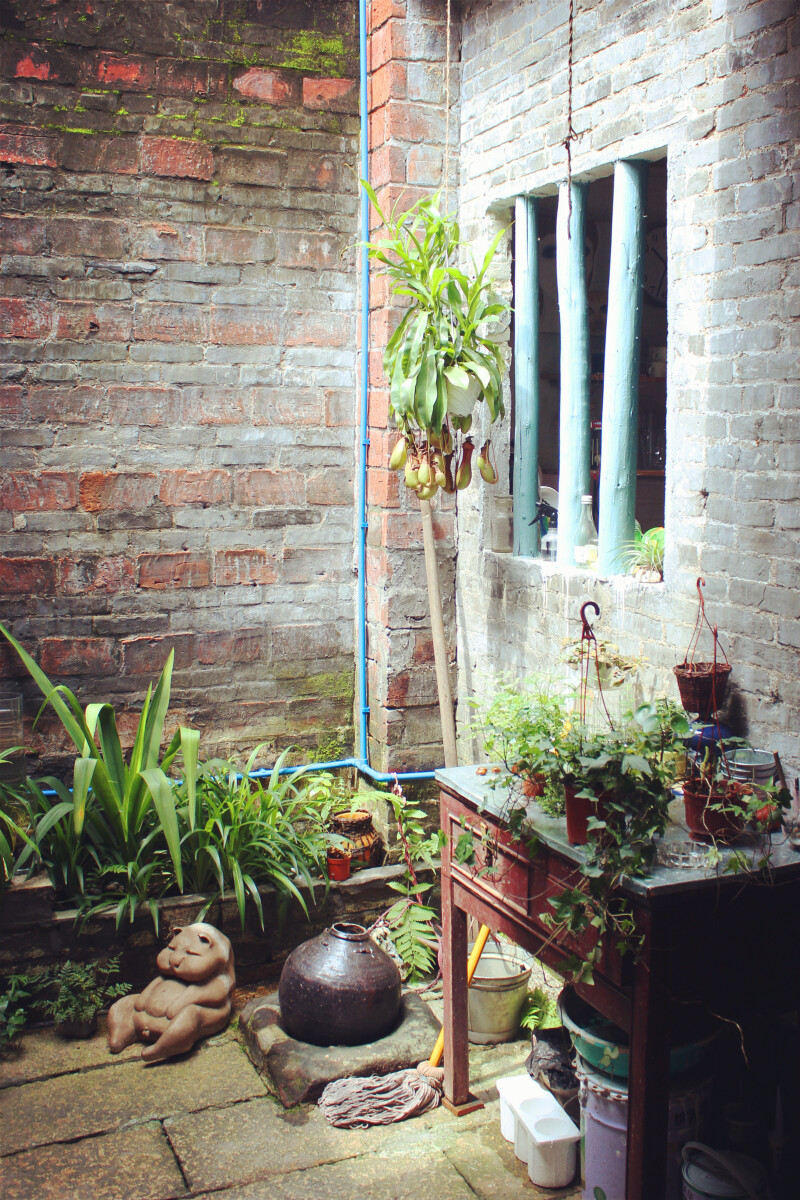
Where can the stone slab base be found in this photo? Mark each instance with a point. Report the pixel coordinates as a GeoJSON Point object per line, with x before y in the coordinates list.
{"type": "Point", "coordinates": [298, 1072]}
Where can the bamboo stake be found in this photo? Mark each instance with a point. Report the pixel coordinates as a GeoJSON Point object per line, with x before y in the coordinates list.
{"type": "Point", "coordinates": [439, 644]}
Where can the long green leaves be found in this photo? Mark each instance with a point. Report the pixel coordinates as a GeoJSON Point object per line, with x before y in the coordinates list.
{"type": "Point", "coordinates": [448, 308]}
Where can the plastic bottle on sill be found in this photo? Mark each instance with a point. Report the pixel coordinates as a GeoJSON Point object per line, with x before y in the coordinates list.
{"type": "Point", "coordinates": [585, 545]}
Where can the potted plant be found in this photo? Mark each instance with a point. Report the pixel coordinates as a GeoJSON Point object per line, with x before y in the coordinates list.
{"type": "Point", "coordinates": [338, 864]}
{"type": "Point", "coordinates": [77, 993]}
{"type": "Point", "coordinates": [644, 556]}
{"type": "Point", "coordinates": [440, 361]}
{"type": "Point", "coordinates": [718, 805]}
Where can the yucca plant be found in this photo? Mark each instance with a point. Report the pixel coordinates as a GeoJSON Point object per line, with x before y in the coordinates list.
{"type": "Point", "coordinates": [440, 361]}
{"type": "Point", "coordinates": [117, 810]}
{"type": "Point", "coordinates": [243, 831]}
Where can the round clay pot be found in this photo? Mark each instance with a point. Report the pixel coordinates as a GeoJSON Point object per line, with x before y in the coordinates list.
{"type": "Point", "coordinates": [74, 1030]}
{"type": "Point", "coordinates": [709, 824]}
{"type": "Point", "coordinates": [533, 786]}
{"type": "Point", "coordinates": [339, 989]}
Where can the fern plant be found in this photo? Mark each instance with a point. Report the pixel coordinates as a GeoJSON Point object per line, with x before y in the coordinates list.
{"type": "Point", "coordinates": [411, 922]}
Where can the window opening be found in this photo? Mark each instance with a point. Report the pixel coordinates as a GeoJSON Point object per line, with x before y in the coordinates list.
{"type": "Point", "coordinates": [539, 317]}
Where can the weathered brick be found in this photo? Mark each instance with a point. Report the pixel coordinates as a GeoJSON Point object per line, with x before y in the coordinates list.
{"type": "Point", "coordinates": [27, 576]}
{"type": "Point", "coordinates": [177, 157]}
{"type": "Point", "coordinates": [195, 487]}
{"type": "Point", "coordinates": [170, 323]}
{"type": "Point", "coordinates": [78, 656]}
{"type": "Point", "coordinates": [273, 87]}
{"type": "Point", "coordinates": [100, 490]}
{"type": "Point", "coordinates": [77, 576]}
{"type": "Point", "coordinates": [105, 322]}
{"type": "Point", "coordinates": [242, 646]}
{"type": "Point", "coordinates": [309, 640]}
{"type": "Point", "coordinates": [24, 318]}
{"type": "Point", "coordinates": [89, 237]}
{"type": "Point", "coordinates": [181, 569]}
{"type": "Point", "coordinates": [177, 78]}
{"type": "Point", "coordinates": [235, 326]}
{"type": "Point", "coordinates": [165, 240]}
{"type": "Point", "coordinates": [287, 406]}
{"type": "Point", "coordinates": [314, 251]}
{"type": "Point", "coordinates": [96, 153]}
{"type": "Point", "coordinates": [129, 72]}
{"type": "Point", "coordinates": [261, 168]}
{"type": "Point", "coordinates": [330, 487]}
{"type": "Point", "coordinates": [21, 235]}
{"type": "Point", "coordinates": [266, 486]}
{"type": "Point", "coordinates": [246, 567]}
{"type": "Point", "coordinates": [27, 491]}
{"type": "Point", "coordinates": [147, 655]}
{"type": "Point", "coordinates": [239, 245]}
{"type": "Point", "coordinates": [334, 95]}
{"type": "Point", "coordinates": [27, 146]}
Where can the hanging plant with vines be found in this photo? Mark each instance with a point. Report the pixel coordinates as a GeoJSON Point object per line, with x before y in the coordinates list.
{"type": "Point", "coordinates": [440, 361]}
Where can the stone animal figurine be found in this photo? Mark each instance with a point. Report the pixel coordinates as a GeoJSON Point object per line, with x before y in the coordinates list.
{"type": "Point", "coordinates": [190, 999]}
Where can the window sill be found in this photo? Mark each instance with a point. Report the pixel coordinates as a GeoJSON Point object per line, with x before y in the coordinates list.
{"type": "Point", "coordinates": [550, 570]}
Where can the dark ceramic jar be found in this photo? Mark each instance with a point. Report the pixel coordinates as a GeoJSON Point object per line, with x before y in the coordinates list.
{"type": "Point", "coordinates": [339, 989]}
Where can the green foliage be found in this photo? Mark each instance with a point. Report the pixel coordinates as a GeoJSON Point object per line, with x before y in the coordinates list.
{"type": "Point", "coordinates": [412, 923]}
{"type": "Point", "coordinates": [645, 552]}
{"type": "Point", "coordinates": [77, 991]}
{"type": "Point", "coordinates": [241, 831]}
{"type": "Point", "coordinates": [13, 814]}
{"type": "Point", "coordinates": [16, 1000]}
{"type": "Point", "coordinates": [438, 340]}
{"type": "Point", "coordinates": [541, 1011]}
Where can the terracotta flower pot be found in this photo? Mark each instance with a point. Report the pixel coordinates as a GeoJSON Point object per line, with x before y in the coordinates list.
{"type": "Point", "coordinates": [579, 809]}
{"type": "Point", "coordinates": [533, 786]}
{"type": "Point", "coordinates": [338, 866]}
{"type": "Point", "coordinates": [709, 824]}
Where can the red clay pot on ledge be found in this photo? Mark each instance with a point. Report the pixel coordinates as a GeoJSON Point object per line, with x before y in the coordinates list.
{"type": "Point", "coordinates": [709, 824]}
{"type": "Point", "coordinates": [338, 866]}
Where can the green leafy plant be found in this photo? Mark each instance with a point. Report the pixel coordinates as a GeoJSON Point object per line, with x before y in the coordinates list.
{"type": "Point", "coordinates": [411, 922]}
{"type": "Point", "coordinates": [16, 1000]}
{"type": "Point", "coordinates": [440, 360]}
{"type": "Point", "coordinates": [607, 662]}
{"type": "Point", "coordinates": [241, 831]}
{"type": "Point", "coordinates": [77, 991]}
{"type": "Point", "coordinates": [13, 816]}
{"type": "Point", "coordinates": [644, 556]}
{"type": "Point", "coordinates": [118, 813]}
{"type": "Point", "coordinates": [540, 1011]}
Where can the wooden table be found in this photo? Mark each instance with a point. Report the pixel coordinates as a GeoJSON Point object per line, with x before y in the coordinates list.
{"type": "Point", "coordinates": [728, 944]}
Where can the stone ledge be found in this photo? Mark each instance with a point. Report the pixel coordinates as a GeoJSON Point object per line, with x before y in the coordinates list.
{"type": "Point", "coordinates": [298, 1072]}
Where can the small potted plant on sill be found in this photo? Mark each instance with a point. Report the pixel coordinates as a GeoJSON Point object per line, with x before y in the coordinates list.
{"type": "Point", "coordinates": [77, 993]}
{"type": "Point", "coordinates": [338, 862]}
{"type": "Point", "coordinates": [719, 806]}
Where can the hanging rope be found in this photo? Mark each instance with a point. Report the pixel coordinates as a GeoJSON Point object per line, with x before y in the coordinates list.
{"type": "Point", "coordinates": [446, 165]}
{"type": "Point", "coordinates": [570, 127]}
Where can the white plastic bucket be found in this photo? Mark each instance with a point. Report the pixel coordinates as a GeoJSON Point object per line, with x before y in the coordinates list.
{"type": "Point", "coordinates": [497, 995]}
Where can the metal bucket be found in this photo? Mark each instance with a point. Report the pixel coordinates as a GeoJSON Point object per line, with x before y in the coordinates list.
{"type": "Point", "coordinates": [709, 1175]}
{"type": "Point", "coordinates": [604, 1125]}
{"type": "Point", "coordinates": [753, 766]}
{"type": "Point", "coordinates": [497, 995]}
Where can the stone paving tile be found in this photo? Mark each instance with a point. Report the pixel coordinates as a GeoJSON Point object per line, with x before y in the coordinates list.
{"type": "Point", "coordinates": [42, 1054]}
{"type": "Point", "coordinates": [131, 1164]}
{"type": "Point", "coordinates": [488, 1164]}
{"type": "Point", "coordinates": [260, 1138]}
{"type": "Point", "coordinates": [370, 1176]}
{"type": "Point", "coordinates": [72, 1106]}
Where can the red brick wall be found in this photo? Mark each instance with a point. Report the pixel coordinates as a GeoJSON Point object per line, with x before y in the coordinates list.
{"type": "Point", "coordinates": [177, 381]}
{"type": "Point", "coordinates": [407, 50]}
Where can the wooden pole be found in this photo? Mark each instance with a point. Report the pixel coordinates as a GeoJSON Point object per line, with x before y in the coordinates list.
{"type": "Point", "coordinates": [574, 478]}
{"type": "Point", "coordinates": [526, 377]}
{"type": "Point", "coordinates": [621, 383]}
{"type": "Point", "coordinates": [439, 644]}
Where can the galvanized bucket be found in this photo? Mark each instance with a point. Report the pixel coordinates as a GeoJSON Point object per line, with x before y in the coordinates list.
{"type": "Point", "coordinates": [497, 995]}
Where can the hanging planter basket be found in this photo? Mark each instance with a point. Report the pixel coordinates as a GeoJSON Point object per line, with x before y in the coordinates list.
{"type": "Point", "coordinates": [703, 685]}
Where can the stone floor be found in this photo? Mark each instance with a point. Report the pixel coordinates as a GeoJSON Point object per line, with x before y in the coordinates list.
{"type": "Point", "coordinates": [77, 1124]}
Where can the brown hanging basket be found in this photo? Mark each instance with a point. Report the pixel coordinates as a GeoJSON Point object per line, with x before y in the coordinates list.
{"type": "Point", "coordinates": [702, 685]}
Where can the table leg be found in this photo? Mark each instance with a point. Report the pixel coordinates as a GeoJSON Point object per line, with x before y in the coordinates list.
{"type": "Point", "coordinates": [648, 1085]}
{"type": "Point", "coordinates": [454, 970]}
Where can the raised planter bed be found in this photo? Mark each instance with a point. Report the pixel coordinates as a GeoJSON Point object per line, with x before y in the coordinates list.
{"type": "Point", "coordinates": [34, 933]}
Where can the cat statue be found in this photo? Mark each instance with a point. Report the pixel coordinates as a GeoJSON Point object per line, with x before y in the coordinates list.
{"type": "Point", "coordinates": [189, 1000]}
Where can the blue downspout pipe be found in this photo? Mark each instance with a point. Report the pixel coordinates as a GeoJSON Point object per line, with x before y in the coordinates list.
{"type": "Point", "coordinates": [361, 762]}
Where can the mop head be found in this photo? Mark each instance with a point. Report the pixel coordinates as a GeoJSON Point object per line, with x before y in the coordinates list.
{"type": "Point", "coordinates": [358, 1103]}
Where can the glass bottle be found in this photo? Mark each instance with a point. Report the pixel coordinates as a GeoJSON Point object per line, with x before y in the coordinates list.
{"type": "Point", "coordinates": [585, 546]}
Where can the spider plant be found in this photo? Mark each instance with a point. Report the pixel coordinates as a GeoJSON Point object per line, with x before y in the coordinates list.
{"type": "Point", "coordinates": [243, 831]}
{"type": "Point", "coordinates": [645, 554]}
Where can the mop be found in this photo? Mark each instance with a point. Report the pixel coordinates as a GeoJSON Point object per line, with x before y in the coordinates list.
{"type": "Point", "coordinates": [357, 1103]}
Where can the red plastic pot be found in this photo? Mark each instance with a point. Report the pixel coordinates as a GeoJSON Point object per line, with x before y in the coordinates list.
{"type": "Point", "coordinates": [338, 867]}
{"type": "Point", "coordinates": [579, 809]}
